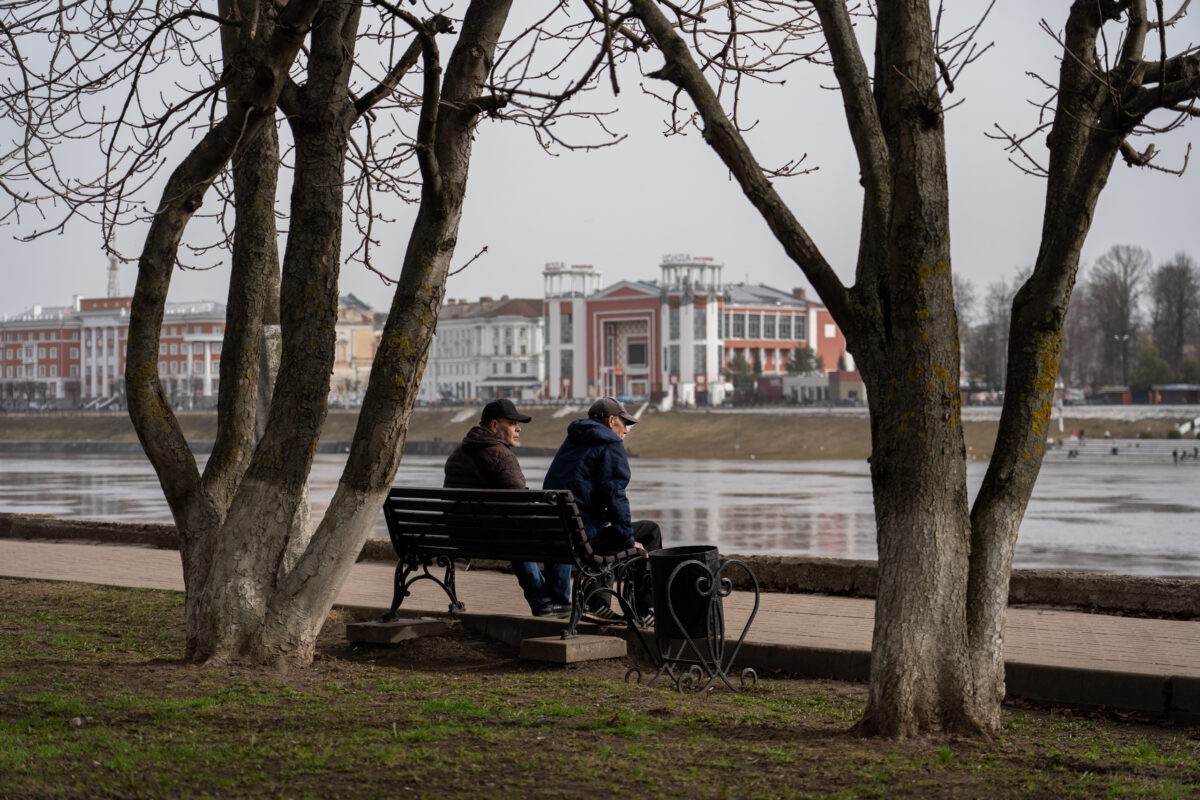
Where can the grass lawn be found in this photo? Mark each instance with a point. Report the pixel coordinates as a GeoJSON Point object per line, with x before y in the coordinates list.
{"type": "Point", "coordinates": [95, 703]}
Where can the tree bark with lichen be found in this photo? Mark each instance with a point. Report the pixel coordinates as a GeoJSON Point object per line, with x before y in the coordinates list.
{"type": "Point", "coordinates": [259, 582]}
{"type": "Point", "coordinates": [944, 566]}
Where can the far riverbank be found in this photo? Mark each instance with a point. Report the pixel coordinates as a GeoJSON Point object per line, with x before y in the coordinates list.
{"type": "Point", "coordinates": [761, 433]}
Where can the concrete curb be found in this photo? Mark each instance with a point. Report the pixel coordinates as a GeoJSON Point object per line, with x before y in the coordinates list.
{"type": "Point", "coordinates": [1171, 598]}
{"type": "Point", "coordinates": [1168, 697]}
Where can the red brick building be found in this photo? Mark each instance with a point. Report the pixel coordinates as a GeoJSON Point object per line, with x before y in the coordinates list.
{"type": "Point", "coordinates": [673, 340]}
{"type": "Point", "coordinates": [74, 356]}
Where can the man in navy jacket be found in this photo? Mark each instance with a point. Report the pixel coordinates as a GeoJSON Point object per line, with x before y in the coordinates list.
{"type": "Point", "coordinates": [593, 465]}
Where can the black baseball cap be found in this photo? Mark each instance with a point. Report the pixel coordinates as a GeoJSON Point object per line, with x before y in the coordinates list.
{"type": "Point", "coordinates": [502, 409]}
{"type": "Point", "coordinates": [607, 407]}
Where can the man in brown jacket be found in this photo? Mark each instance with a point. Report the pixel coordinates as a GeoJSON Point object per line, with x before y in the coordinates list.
{"type": "Point", "coordinates": [485, 460]}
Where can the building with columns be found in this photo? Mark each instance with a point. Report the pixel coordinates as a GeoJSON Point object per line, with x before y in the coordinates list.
{"type": "Point", "coordinates": [484, 350]}
{"type": "Point", "coordinates": [674, 339]}
{"type": "Point", "coordinates": [74, 356]}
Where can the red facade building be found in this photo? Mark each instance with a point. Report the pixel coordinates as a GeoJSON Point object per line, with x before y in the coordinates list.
{"type": "Point", "coordinates": [675, 340]}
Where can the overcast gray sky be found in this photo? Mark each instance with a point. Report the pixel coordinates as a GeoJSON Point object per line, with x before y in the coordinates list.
{"type": "Point", "coordinates": [621, 209]}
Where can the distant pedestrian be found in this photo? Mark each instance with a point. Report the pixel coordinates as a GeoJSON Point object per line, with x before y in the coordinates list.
{"type": "Point", "coordinates": [1175, 456]}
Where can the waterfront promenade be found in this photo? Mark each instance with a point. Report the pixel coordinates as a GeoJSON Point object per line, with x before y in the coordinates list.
{"type": "Point", "coordinates": [1150, 666]}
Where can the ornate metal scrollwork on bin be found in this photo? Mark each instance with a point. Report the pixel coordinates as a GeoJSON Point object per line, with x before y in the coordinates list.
{"type": "Point", "coordinates": [690, 644]}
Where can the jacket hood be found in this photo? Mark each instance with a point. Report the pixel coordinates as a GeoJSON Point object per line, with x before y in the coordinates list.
{"type": "Point", "coordinates": [590, 431]}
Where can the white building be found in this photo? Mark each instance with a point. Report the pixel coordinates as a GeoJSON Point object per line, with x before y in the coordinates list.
{"type": "Point", "coordinates": [486, 349]}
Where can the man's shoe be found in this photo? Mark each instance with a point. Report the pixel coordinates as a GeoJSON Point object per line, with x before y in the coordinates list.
{"type": "Point", "coordinates": [603, 616]}
{"type": "Point", "coordinates": [552, 610]}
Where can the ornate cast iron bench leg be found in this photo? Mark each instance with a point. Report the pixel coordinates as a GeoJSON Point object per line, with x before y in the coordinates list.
{"type": "Point", "coordinates": [404, 578]}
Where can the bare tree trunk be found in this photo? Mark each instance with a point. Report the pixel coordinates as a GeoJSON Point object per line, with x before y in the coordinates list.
{"type": "Point", "coordinates": [258, 588]}
{"type": "Point", "coordinates": [196, 504]}
{"type": "Point", "coordinates": [272, 601]}
{"type": "Point", "coordinates": [449, 117]}
{"type": "Point", "coordinates": [937, 654]}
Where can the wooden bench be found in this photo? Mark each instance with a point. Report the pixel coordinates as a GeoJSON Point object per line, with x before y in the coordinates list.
{"type": "Point", "coordinates": [434, 527]}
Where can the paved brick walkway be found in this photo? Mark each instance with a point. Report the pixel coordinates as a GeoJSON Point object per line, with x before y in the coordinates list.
{"type": "Point", "coordinates": [1044, 638]}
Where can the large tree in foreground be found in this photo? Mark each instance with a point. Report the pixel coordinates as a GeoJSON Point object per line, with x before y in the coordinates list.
{"type": "Point", "coordinates": [944, 566]}
{"type": "Point", "coordinates": [259, 578]}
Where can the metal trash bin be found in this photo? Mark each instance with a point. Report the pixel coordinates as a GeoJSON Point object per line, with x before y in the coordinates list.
{"type": "Point", "coordinates": [681, 608]}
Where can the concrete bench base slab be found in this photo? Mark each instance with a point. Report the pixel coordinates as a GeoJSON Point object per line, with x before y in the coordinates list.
{"type": "Point", "coordinates": [584, 647]}
{"type": "Point", "coordinates": [394, 631]}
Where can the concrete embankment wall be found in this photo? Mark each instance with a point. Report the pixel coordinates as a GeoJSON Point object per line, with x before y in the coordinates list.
{"type": "Point", "coordinates": [1177, 598]}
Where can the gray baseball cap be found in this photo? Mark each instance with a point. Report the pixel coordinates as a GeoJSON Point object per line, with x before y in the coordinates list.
{"type": "Point", "coordinates": [607, 407]}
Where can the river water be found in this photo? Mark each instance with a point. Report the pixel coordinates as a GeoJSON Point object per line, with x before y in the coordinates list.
{"type": "Point", "coordinates": [1141, 520]}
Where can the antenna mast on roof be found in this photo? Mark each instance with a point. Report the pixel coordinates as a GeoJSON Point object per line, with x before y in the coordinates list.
{"type": "Point", "coordinates": [114, 284]}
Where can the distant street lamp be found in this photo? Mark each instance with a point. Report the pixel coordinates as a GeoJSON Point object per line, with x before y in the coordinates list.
{"type": "Point", "coordinates": [1123, 338]}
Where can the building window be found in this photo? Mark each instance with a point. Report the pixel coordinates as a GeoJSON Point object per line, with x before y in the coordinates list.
{"type": "Point", "coordinates": [785, 326]}
{"type": "Point", "coordinates": [53, 370]}
{"type": "Point", "coordinates": [700, 323]}
{"type": "Point", "coordinates": [41, 371]}
{"type": "Point", "coordinates": [673, 359]}
{"type": "Point", "coordinates": [698, 365]}
{"type": "Point", "coordinates": [754, 329]}
{"type": "Point", "coordinates": [174, 349]}
{"type": "Point", "coordinates": [566, 362]}
{"type": "Point", "coordinates": [508, 368]}
{"type": "Point", "coordinates": [567, 332]}
{"type": "Point", "coordinates": [524, 368]}
{"type": "Point", "coordinates": [74, 372]}
{"type": "Point", "coordinates": [636, 354]}
{"type": "Point", "coordinates": [739, 326]}
{"type": "Point", "coordinates": [74, 352]}
{"type": "Point", "coordinates": [673, 322]}
{"type": "Point", "coordinates": [769, 326]}
{"type": "Point", "coordinates": [41, 352]}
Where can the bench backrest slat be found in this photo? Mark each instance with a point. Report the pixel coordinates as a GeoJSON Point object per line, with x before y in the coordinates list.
{"type": "Point", "coordinates": [510, 524]}
{"type": "Point", "coordinates": [467, 517]}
